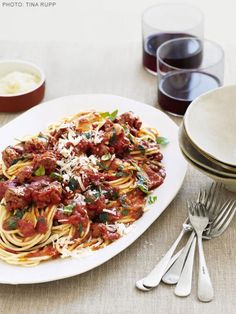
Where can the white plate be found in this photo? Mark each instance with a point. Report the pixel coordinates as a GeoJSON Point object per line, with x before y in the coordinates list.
{"type": "Point", "coordinates": [37, 119]}
{"type": "Point", "coordinates": [210, 123]}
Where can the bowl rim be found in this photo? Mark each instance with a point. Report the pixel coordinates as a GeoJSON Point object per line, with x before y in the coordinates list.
{"type": "Point", "coordinates": [193, 158]}
{"type": "Point", "coordinates": [188, 113]}
{"type": "Point", "coordinates": [33, 65]}
{"type": "Point", "coordinates": [208, 173]}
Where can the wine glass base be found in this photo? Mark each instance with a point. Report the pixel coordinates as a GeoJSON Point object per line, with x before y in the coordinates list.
{"type": "Point", "coordinates": [150, 71]}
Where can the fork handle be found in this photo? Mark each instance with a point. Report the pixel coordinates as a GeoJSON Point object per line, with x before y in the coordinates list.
{"type": "Point", "coordinates": [184, 285]}
{"type": "Point", "coordinates": [154, 277]}
{"type": "Point", "coordinates": [172, 276]}
{"type": "Point", "coordinates": [205, 288]}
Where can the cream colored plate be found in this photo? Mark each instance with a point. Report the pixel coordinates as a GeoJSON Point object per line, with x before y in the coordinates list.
{"type": "Point", "coordinates": [192, 153]}
{"type": "Point", "coordinates": [230, 184]}
{"type": "Point", "coordinates": [210, 123]}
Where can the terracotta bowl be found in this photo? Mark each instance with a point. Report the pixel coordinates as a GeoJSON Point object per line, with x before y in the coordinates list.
{"type": "Point", "coordinates": [21, 101]}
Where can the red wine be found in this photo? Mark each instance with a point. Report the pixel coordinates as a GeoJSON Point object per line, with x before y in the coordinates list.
{"type": "Point", "coordinates": [177, 90]}
{"type": "Point", "coordinates": [186, 54]}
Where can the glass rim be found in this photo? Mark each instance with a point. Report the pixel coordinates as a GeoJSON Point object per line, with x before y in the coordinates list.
{"type": "Point", "coordinates": [201, 14]}
{"type": "Point", "coordinates": [213, 43]}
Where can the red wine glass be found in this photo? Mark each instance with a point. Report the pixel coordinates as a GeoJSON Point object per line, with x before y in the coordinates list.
{"type": "Point", "coordinates": [167, 21]}
{"type": "Point", "coordinates": [187, 67]}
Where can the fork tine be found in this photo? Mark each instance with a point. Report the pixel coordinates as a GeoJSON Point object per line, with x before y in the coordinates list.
{"type": "Point", "coordinates": [212, 195]}
{"type": "Point", "coordinates": [199, 197]}
{"type": "Point", "coordinates": [217, 196]}
{"type": "Point", "coordinates": [209, 194]}
{"type": "Point", "coordinates": [228, 205]}
{"type": "Point", "coordinates": [227, 220]}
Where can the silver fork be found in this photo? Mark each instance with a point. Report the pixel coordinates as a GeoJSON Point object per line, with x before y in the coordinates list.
{"type": "Point", "coordinates": [199, 220]}
{"type": "Point", "coordinates": [154, 277]}
{"type": "Point", "coordinates": [218, 226]}
{"type": "Point", "coordinates": [211, 199]}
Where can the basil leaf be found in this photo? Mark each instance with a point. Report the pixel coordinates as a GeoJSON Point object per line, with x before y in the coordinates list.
{"type": "Point", "coordinates": [125, 212]}
{"type": "Point", "coordinates": [40, 171]}
{"type": "Point", "coordinates": [19, 213]}
{"type": "Point", "coordinates": [80, 228]}
{"type": "Point", "coordinates": [105, 114]}
{"type": "Point", "coordinates": [162, 140]}
{"type": "Point", "coordinates": [103, 217]}
{"type": "Point", "coordinates": [56, 176]}
{"type": "Point", "coordinates": [87, 135]}
{"type": "Point", "coordinates": [141, 148]}
{"type": "Point", "coordinates": [106, 157]}
{"type": "Point", "coordinates": [15, 161]}
{"type": "Point", "coordinates": [142, 183]}
{"type": "Point", "coordinates": [67, 210]}
{"type": "Point", "coordinates": [152, 199]}
{"type": "Point", "coordinates": [73, 184]}
{"type": "Point", "coordinates": [121, 174]}
{"type": "Point", "coordinates": [113, 115]}
{"type": "Point", "coordinates": [43, 136]}
{"type": "Point", "coordinates": [41, 219]}
{"type": "Point", "coordinates": [114, 195]}
{"type": "Point", "coordinates": [102, 165]}
{"type": "Point", "coordinates": [11, 223]}
{"type": "Point", "coordinates": [89, 200]}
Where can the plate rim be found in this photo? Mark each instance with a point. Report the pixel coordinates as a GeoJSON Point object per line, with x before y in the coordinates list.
{"type": "Point", "coordinates": [186, 117]}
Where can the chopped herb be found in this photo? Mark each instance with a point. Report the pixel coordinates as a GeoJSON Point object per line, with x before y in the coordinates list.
{"type": "Point", "coordinates": [123, 201]}
{"type": "Point", "coordinates": [142, 183]}
{"type": "Point", "coordinates": [135, 166]}
{"type": "Point", "coordinates": [40, 171]}
{"type": "Point", "coordinates": [162, 140]}
{"type": "Point", "coordinates": [11, 223]}
{"type": "Point", "coordinates": [113, 137]}
{"type": "Point", "coordinates": [114, 195]}
{"type": "Point", "coordinates": [102, 165]}
{"type": "Point", "coordinates": [141, 148]}
{"type": "Point", "coordinates": [106, 157]}
{"type": "Point", "coordinates": [67, 210]}
{"type": "Point", "coordinates": [73, 184]}
{"type": "Point", "coordinates": [103, 217]}
{"type": "Point", "coordinates": [19, 213]}
{"type": "Point", "coordinates": [121, 167]}
{"type": "Point", "coordinates": [80, 228]}
{"type": "Point", "coordinates": [43, 136]}
{"type": "Point", "coordinates": [121, 174]}
{"type": "Point", "coordinates": [56, 176]}
{"type": "Point", "coordinates": [112, 116]}
{"type": "Point", "coordinates": [125, 212]}
{"type": "Point", "coordinates": [88, 135]}
{"type": "Point", "coordinates": [41, 219]}
{"type": "Point", "coordinates": [152, 199]}
{"type": "Point", "coordinates": [15, 161]}
{"type": "Point", "coordinates": [89, 200]}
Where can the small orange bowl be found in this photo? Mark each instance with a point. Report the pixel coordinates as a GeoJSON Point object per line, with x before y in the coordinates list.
{"type": "Point", "coordinates": [24, 100]}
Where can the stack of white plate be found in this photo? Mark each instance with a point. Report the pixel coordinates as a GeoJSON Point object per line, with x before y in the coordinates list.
{"type": "Point", "coordinates": [207, 137]}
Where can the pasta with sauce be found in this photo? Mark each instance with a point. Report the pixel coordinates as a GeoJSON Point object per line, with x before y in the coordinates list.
{"type": "Point", "coordinates": [77, 186]}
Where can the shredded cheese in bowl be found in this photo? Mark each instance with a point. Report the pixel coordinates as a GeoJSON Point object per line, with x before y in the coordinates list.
{"type": "Point", "coordinates": [18, 82]}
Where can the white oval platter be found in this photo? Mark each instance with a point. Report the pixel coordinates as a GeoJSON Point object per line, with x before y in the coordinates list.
{"type": "Point", "coordinates": [37, 119]}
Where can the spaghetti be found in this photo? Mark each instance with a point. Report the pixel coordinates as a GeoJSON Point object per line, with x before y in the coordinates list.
{"type": "Point", "coordinates": [77, 186]}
